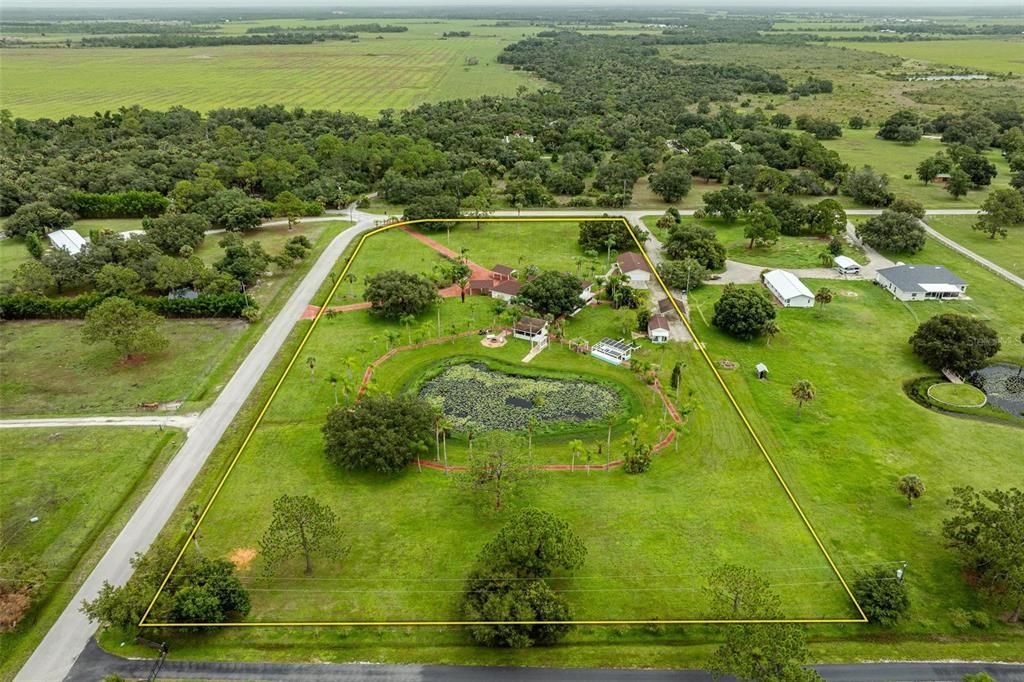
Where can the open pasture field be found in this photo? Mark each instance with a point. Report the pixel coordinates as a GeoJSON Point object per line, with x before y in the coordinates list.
{"type": "Point", "coordinates": [82, 484]}
{"type": "Point", "coordinates": [413, 537]}
{"type": "Point", "coordinates": [861, 147]}
{"type": "Point", "coordinates": [1006, 252]}
{"type": "Point", "coordinates": [862, 432]}
{"type": "Point", "coordinates": [397, 71]}
{"type": "Point", "coordinates": [999, 55]}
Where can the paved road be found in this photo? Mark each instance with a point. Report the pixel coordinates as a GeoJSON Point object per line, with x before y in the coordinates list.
{"type": "Point", "coordinates": [57, 652]}
{"type": "Point", "coordinates": [94, 664]}
{"type": "Point", "coordinates": [983, 262]}
{"type": "Point", "coordinates": [180, 421]}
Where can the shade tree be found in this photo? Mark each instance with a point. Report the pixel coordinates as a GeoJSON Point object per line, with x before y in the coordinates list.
{"type": "Point", "coordinates": [380, 433]}
{"type": "Point", "coordinates": [955, 342]}
{"type": "Point", "coordinates": [742, 312]}
{"type": "Point", "coordinates": [131, 329]}
{"type": "Point", "coordinates": [396, 293]}
{"type": "Point", "coordinates": [301, 527]}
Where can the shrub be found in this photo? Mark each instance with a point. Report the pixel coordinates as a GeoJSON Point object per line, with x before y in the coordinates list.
{"type": "Point", "coordinates": [382, 433]}
{"type": "Point", "coordinates": [882, 596]}
{"type": "Point", "coordinates": [637, 460]}
{"type": "Point", "coordinates": [36, 307]}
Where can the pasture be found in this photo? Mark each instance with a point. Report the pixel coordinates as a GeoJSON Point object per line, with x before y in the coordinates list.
{"type": "Point", "coordinates": [1003, 56]}
{"type": "Point", "coordinates": [82, 484]}
{"type": "Point", "coordinates": [1006, 252]}
{"type": "Point", "coordinates": [396, 71]}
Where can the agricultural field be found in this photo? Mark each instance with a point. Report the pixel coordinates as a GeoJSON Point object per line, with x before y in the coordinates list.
{"type": "Point", "coordinates": [82, 484]}
{"type": "Point", "coordinates": [1007, 252]}
{"type": "Point", "coordinates": [995, 55]}
{"type": "Point", "coordinates": [394, 71]}
{"type": "Point", "coordinates": [861, 147]}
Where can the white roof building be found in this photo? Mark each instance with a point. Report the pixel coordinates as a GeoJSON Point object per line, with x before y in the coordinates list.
{"type": "Point", "coordinates": [610, 350]}
{"type": "Point", "coordinates": [920, 282]}
{"type": "Point", "coordinates": [787, 287]}
{"type": "Point", "coordinates": [68, 240]}
{"type": "Point", "coordinates": [846, 265]}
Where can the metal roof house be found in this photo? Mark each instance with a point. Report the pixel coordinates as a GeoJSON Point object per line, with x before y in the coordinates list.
{"type": "Point", "coordinates": [846, 265]}
{"type": "Point", "coordinates": [506, 290]}
{"type": "Point", "coordinates": [633, 265]}
{"type": "Point", "coordinates": [68, 240]}
{"type": "Point", "coordinates": [788, 289]}
{"type": "Point", "coordinates": [920, 282]}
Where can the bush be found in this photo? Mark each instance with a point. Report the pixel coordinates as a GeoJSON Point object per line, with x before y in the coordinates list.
{"type": "Point", "coordinates": [37, 218]}
{"type": "Point", "coordinates": [36, 307]}
{"type": "Point", "coordinates": [742, 312]}
{"type": "Point", "coordinates": [395, 293]}
{"type": "Point", "coordinates": [382, 433]}
{"type": "Point", "coordinates": [637, 460]}
{"type": "Point", "coordinates": [882, 596]}
{"type": "Point", "coordinates": [497, 597]}
{"type": "Point", "coordinates": [130, 204]}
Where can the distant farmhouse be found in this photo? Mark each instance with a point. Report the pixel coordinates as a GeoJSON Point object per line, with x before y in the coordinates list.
{"type": "Point", "coordinates": [67, 240]}
{"type": "Point", "coordinates": [635, 267]}
{"type": "Point", "coordinates": [788, 289]}
{"type": "Point", "coordinates": [920, 282]}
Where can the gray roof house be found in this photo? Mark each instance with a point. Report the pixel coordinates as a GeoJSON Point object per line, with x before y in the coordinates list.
{"type": "Point", "coordinates": [920, 282]}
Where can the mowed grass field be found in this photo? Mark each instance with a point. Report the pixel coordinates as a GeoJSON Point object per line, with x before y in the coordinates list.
{"type": "Point", "coordinates": [397, 71]}
{"type": "Point", "coordinates": [1004, 56]}
{"type": "Point", "coordinates": [1006, 252]}
{"type": "Point", "coordinates": [82, 484]}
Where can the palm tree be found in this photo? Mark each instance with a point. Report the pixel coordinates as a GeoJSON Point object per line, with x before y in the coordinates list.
{"type": "Point", "coordinates": [391, 337]}
{"type": "Point", "coordinates": [192, 521]}
{"type": "Point", "coordinates": [822, 297]}
{"type": "Point", "coordinates": [609, 242]}
{"type": "Point", "coordinates": [803, 391]}
{"type": "Point", "coordinates": [576, 447]}
{"type": "Point", "coordinates": [311, 363]}
{"type": "Point", "coordinates": [445, 426]}
{"type": "Point", "coordinates": [463, 283]}
{"type": "Point", "coordinates": [406, 321]}
{"type": "Point", "coordinates": [825, 258]}
{"type": "Point", "coordinates": [462, 255]}
{"type": "Point", "coordinates": [531, 426]}
{"type": "Point", "coordinates": [578, 260]}
{"type": "Point", "coordinates": [351, 279]}
{"type": "Point", "coordinates": [350, 366]}
{"type": "Point", "coordinates": [333, 381]}
{"type": "Point", "coordinates": [609, 421]}
{"type": "Point", "coordinates": [911, 487]}
{"type": "Point", "coordinates": [770, 328]}
{"type": "Point", "coordinates": [469, 436]}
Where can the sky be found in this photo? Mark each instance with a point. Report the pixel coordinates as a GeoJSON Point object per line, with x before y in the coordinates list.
{"type": "Point", "coordinates": [830, 5]}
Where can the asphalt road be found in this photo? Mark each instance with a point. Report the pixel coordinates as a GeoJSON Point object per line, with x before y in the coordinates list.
{"type": "Point", "coordinates": [55, 655]}
{"type": "Point", "coordinates": [94, 664]}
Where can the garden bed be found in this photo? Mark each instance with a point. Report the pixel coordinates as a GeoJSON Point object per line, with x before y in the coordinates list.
{"type": "Point", "coordinates": [480, 396]}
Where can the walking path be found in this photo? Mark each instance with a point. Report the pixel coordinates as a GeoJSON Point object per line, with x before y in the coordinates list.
{"type": "Point", "coordinates": [55, 655]}
{"type": "Point", "coordinates": [180, 421]}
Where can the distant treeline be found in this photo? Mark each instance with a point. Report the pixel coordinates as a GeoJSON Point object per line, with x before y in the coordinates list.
{"type": "Point", "coordinates": [456, 34]}
{"type": "Point", "coordinates": [354, 28]}
{"type": "Point", "coordinates": [919, 28]}
{"type": "Point", "coordinates": [180, 40]}
{"type": "Point", "coordinates": [107, 27]}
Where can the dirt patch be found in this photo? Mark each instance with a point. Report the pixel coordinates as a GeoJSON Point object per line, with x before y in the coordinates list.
{"type": "Point", "coordinates": [13, 606]}
{"type": "Point", "coordinates": [849, 294]}
{"type": "Point", "coordinates": [242, 557]}
{"type": "Point", "coordinates": [728, 364]}
{"type": "Point", "coordinates": [133, 360]}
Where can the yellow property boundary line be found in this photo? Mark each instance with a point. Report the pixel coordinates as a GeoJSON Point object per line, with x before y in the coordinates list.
{"type": "Point", "coordinates": [700, 346]}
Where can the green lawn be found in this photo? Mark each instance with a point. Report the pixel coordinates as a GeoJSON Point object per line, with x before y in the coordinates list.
{"type": "Point", "coordinates": [396, 70]}
{"type": "Point", "coordinates": [861, 147]}
{"type": "Point", "coordinates": [82, 484]}
{"type": "Point", "coordinates": [959, 395]}
{"type": "Point", "coordinates": [1007, 252]}
{"type": "Point", "coordinates": [1000, 55]}
{"type": "Point", "coordinates": [787, 252]}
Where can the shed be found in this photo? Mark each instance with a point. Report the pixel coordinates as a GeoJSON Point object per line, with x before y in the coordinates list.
{"type": "Point", "coordinates": [609, 350]}
{"type": "Point", "coordinates": [657, 329]}
{"type": "Point", "coordinates": [788, 289]}
{"type": "Point", "coordinates": [480, 286]}
{"type": "Point", "coordinates": [762, 370]}
{"type": "Point", "coordinates": [846, 265]}
{"type": "Point", "coordinates": [68, 240]}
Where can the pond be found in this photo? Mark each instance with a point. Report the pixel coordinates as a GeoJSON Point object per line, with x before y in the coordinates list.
{"type": "Point", "coordinates": [1004, 387]}
{"type": "Point", "coordinates": [474, 395]}
{"type": "Point", "coordinates": [952, 77]}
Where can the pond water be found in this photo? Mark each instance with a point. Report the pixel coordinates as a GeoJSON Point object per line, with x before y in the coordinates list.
{"type": "Point", "coordinates": [952, 77]}
{"type": "Point", "coordinates": [1004, 386]}
{"type": "Point", "coordinates": [474, 395]}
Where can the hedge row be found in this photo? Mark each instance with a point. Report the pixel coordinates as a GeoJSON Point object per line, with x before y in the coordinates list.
{"type": "Point", "coordinates": [34, 306]}
{"type": "Point", "coordinates": [132, 204]}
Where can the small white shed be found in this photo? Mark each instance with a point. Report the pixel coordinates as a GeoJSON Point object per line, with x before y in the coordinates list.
{"type": "Point", "coordinates": [788, 289]}
{"type": "Point", "coordinates": [846, 265]}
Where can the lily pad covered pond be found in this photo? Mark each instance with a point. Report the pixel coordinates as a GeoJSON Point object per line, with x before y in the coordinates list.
{"type": "Point", "coordinates": [474, 395]}
{"type": "Point", "coordinates": [1004, 386]}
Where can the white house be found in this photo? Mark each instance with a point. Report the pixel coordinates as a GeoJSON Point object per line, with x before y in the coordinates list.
{"type": "Point", "coordinates": [846, 265]}
{"type": "Point", "coordinates": [788, 288]}
{"type": "Point", "coordinates": [532, 329]}
{"type": "Point", "coordinates": [920, 282]}
{"type": "Point", "coordinates": [657, 329]}
{"type": "Point", "coordinates": [68, 240]}
{"type": "Point", "coordinates": [587, 292]}
{"type": "Point", "coordinates": [615, 352]}
{"type": "Point", "coordinates": [634, 266]}
{"type": "Point", "coordinates": [506, 290]}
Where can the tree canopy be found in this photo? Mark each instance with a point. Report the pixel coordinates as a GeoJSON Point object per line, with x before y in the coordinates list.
{"type": "Point", "coordinates": [381, 433]}
{"type": "Point", "coordinates": [396, 293]}
{"type": "Point", "coordinates": [742, 312]}
{"type": "Point", "coordinates": [893, 231]}
{"type": "Point", "coordinates": [129, 327]}
{"type": "Point", "coordinates": [552, 293]}
{"type": "Point", "coordinates": [956, 342]}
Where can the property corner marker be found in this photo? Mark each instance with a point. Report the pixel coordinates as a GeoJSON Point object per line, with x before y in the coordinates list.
{"type": "Point", "coordinates": [145, 623]}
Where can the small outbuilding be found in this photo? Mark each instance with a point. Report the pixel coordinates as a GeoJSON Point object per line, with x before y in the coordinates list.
{"type": "Point", "coordinates": [67, 240]}
{"type": "Point", "coordinates": [788, 289]}
{"type": "Point", "coordinates": [506, 290]}
{"type": "Point", "coordinates": [503, 273]}
{"type": "Point", "coordinates": [846, 265]}
{"type": "Point", "coordinates": [920, 282]}
{"type": "Point", "coordinates": [587, 292]}
{"type": "Point", "coordinates": [479, 287]}
{"type": "Point", "coordinates": [657, 329]}
{"type": "Point", "coordinates": [762, 370]}
{"type": "Point", "coordinates": [635, 267]}
{"type": "Point", "coordinates": [532, 329]}
{"type": "Point", "coordinates": [609, 350]}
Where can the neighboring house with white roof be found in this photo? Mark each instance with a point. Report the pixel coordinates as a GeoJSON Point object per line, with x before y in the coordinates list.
{"type": "Point", "coordinates": [68, 240]}
{"type": "Point", "coordinates": [788, 289]}
{"type": "Point", "coordinates": [920, 282]}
